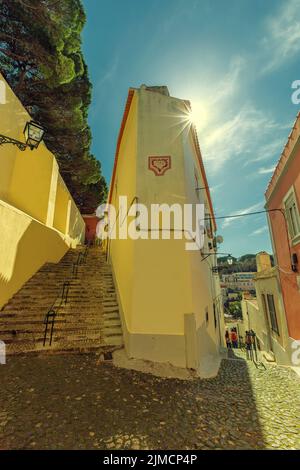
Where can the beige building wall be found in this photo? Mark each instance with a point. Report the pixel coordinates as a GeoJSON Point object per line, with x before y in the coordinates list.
{"type": "Point", "coordinates": [252, 319]}
{"type": "Point", "coordinates": [61, 211]}
{"type": "Point", "coordinates": [39, 220]}
{"type": "Point", "coordinates": [267, 282]}
{"type": "Point", "coordinates": [164, 291]}
{"type": "Point", "coordinates": [256, 314]}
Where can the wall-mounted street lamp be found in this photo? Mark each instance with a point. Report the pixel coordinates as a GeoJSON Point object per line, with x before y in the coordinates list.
{"type": "Point", "coordinates": [229, 257]}
{"type": "Point", "coordinates": [33, 133]}
{"type": "Point", "coordinates": [229, 260]}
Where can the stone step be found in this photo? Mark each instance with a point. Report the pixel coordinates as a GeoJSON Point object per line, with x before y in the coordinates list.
{"type": "Point", "coordinates": [56, 340]}
{"type": "Point", "coordinates": [114, 341]}
{"type": "Point", "coordinates": [88, 321]}
{"type": "Point", "coordinates": [60, 347]}
{"type": "Point", "coordinates": [269, 356]}
{"type": "Point", "coordinates": [110, 308]}
{"type": "Point", "coordinates": [61, 316]}
{"type": "Point", "coordinates": [64, 320]}
{"type": "Point", "coordinates": [110, 318]}
{"type": "Point", "coordinates": [112, 330]}
{"type": "Point", "coordinates": [112, 322]}
{"type": "Point", "coordinates": [45, 306]}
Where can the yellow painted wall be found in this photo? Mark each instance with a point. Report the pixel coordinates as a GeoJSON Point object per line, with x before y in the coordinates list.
{"type": "Point", "coordinates": [12, 118]}
{"type": "Point", "coordinates": [267, 283]}
{"type": "Point", "coordinates": [33, 197]}
{"type": "Point", "coordinates": [25, 245]}
{"type": "Point", "coordinates": [30, 182]}
{"type": "Point", "coordinates": [158, 281]}
{"type": "Point", "coordinates": [61, 206]}
{"type": "Point", "coordinates": [253, 318]}
{"type": "Point", "coordinates": [121, 251]}
{"type": "Point", "coordinates": [76, 227]}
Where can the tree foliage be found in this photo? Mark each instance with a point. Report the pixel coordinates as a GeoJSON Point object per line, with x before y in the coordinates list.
{"type": "Point", "coordinates": [235, 310]}
{"type": "Point", "coordinates": [246, 263]}
{"type": "Point", "coordinates": [41, 58]}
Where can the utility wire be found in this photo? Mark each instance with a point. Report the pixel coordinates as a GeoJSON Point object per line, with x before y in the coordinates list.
{"type": "Point", "coordinates": [243, 215]}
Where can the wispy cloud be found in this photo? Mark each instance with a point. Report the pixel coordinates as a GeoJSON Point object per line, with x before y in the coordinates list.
{"type": "Point", "coordinates": [216, 187]}
{"type": "Point", "coordinates": [259, 231]}
{"type": "Point", "coordinates": [230, 83]}
{"type": "Point", "coordinates": [255, 207]}
{"type": "Point", "coordinates": [282, 35]}
{"type": "Point", "coordinates": [109, 73]}
{"type": "Point", "coordinates": [270, 150]}
{"type": "Point", "coordinates": [238, 137]}
{"type": "Point", "coordinates": [264, 171]}
{"type": "Point", "coordinates": [209, 101]}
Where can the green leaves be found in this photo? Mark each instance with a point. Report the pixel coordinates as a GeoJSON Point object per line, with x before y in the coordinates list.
{"type": "Point", "coordinates": [41, 57]}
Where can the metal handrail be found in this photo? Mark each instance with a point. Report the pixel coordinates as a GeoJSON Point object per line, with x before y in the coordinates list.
{"type": "Point", "coordinates": [52, 312]}
{"type": "Point", "coordinates": [49, 320]}
{"type": "Point", "coordinates": [75, 269]}
{"type": "Point", "coordinates": [65, 292]}
{"type": "Point", "coordinates": [253, 352]}
{"type": "Point", "coordinates": [80, 260]}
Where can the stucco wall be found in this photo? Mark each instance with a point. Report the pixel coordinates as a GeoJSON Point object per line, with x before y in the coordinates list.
{"type": "Point", "coordinates": [12, 119]}
{"type": "Point", "coordinates": [39, 220]}
{"type": "Point", "coordinates": [60, 221]}
{"type": "Point", "coordinates": [253, 319]}
{"type": "Point", "coordinates": [91, 222]}
{"type": "Point", "coordinates": [290, 176]}
{"type": "Point", "coordinates": [25, 245]}
{"type": "Point", "coordinates": [121, 251]}
{"type": "Point", "coordinates": [280, 343]}
{"type": "Point", "coordinates": [158, 281]}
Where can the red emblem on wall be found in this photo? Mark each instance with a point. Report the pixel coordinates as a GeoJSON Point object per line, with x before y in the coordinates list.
{"type": "Point", "coordinates": [159, 165]}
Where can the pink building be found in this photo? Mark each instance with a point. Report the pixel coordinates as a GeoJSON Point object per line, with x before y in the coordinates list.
{"type": "Point", "coordinates": [283, 203]}
{"type": "Point", "coordinates": [91, 221]}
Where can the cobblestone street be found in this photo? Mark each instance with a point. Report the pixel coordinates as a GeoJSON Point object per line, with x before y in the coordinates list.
{"type": "Point", "coordinates": [75, 402]}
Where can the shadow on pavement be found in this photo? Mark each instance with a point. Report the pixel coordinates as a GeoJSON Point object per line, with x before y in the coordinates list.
{"type": "Point", "coordinates": [70, 402]}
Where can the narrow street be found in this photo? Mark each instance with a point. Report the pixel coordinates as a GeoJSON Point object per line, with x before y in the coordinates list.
{"type": "Point", "coordinates": [75, 402]}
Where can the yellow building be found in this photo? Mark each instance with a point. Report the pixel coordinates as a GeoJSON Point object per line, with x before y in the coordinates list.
{"type": "Point", "coordinates": [171, 303]}
{"type": "Point", "coordinates": [272, 335]}
{"type": "Point", "coordinates": [39, 220]}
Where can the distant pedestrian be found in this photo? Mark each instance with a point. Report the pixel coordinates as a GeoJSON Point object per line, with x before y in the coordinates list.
{"type": "Point", "coordinates": [227, 339]}
{"type": "Point", "coordinates": [234, 338]}
{"type": "Point", "coordinates": [248, 342]}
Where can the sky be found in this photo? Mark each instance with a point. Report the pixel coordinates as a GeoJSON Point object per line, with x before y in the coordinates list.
{"type": "Point", "coordinates": [235, 60]}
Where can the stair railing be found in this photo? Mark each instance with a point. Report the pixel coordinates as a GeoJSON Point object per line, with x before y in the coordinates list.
{"type": "Point", "coordinates": [49, 320]}
{"type": "Point", "coordinates": [85, 253]}
{"type": "Point", "coordinates": [75, 270]}
{"type": "Point", "coordinates": [51, 315]}
{"type": "Point", "coordinates": [65, 292]}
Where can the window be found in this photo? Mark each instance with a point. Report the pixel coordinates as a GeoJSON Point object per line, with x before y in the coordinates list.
{"type": "Point", "coordinates": [215, 316]}
{"type": "Point", "coordinates": [208, 225]}
{"type": "Point", "coordinates": [196, 180]}
{"type": "Point", "coordinates": [206, 316]}
{"type": "Point", "coordinates": [292, 214]}
{"type": "Point", "coordinates": [272, 312]}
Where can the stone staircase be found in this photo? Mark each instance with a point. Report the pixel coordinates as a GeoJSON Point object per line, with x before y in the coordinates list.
{"type": "Point", "coordinates": [88, 320]}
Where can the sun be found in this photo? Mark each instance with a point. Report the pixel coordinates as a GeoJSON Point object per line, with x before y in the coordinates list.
{"type": "Point", "coordinates": [198, 115]}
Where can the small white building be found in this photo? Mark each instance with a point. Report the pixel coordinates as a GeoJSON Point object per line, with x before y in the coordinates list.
{"type": "Point", "coordinates": [170, 300]}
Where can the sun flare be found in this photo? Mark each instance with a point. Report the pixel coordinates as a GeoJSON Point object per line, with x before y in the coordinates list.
{"type": "Point", "coordinates": [198, 115]}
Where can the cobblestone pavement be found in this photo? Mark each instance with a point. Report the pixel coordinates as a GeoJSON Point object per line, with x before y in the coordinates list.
{"type": "Point", "coordinates": [73, 402]}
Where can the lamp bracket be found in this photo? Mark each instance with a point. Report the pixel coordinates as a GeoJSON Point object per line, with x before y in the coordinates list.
{"type": "Point", "coordinates": [8, 140]}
